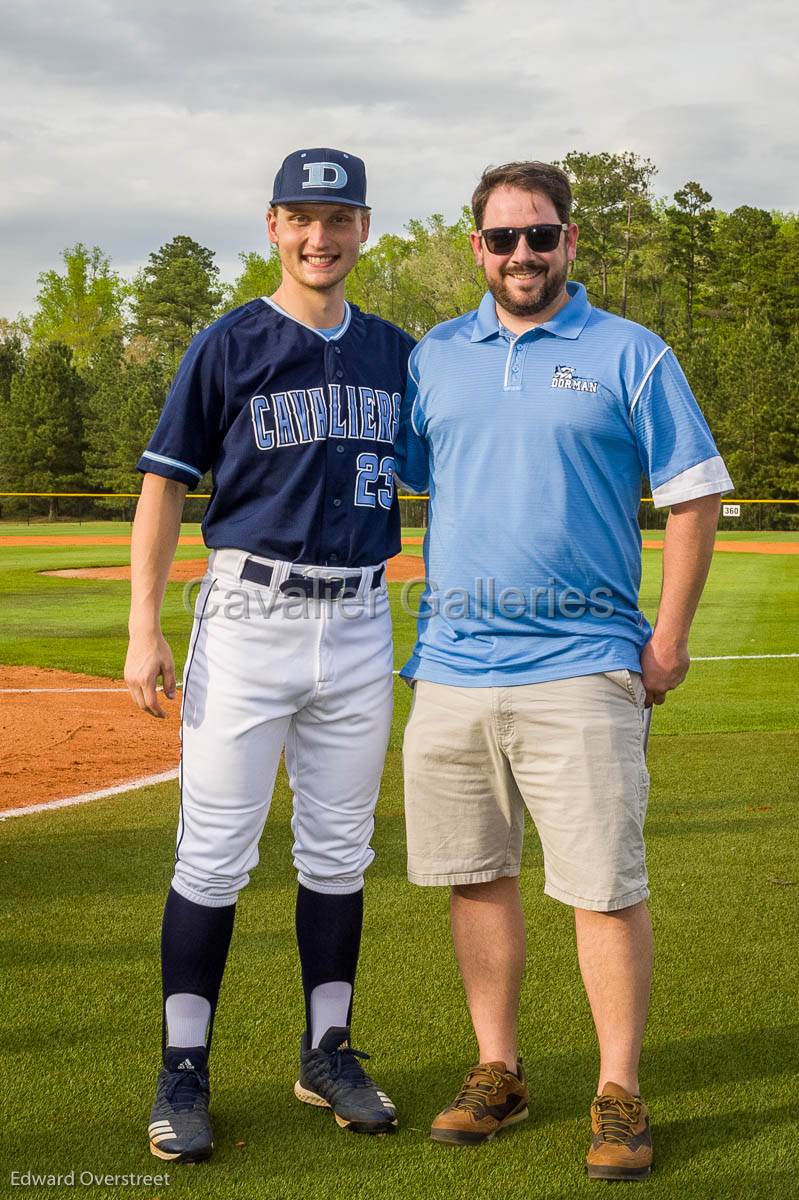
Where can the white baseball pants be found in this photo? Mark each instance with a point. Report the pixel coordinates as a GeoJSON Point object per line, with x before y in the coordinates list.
{"type": "Point", "coordinates": [266, 672]}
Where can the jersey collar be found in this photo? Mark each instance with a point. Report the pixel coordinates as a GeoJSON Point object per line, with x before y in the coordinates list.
{"type": "Point", "coordinates": [319, 332]}
{"type": "Point", "coordinates": [569, 322]}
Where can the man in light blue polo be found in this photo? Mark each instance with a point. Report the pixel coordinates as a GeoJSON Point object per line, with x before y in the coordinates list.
{"type": "Point", "coordinates": [532, 420]}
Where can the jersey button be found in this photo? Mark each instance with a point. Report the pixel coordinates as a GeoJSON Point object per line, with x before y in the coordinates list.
{"type": "Point", "coordinates": [339, 449]}
{"type": "Point", "coordinates": [339, 374]}
{"type": "Point", "coordinates": [337, 503]}
{"type": "Point", "coordinates": [337, 349]}
{"type": "Point", "coordinates": [333, 558]}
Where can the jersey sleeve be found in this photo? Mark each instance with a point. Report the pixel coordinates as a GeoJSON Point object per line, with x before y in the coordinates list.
{"type": "Point", "coordinates": [677, 450]}
{"type": "Point", "coordinates": [187, 437]}
{"type": "Point", "coordinates": [411, 461]}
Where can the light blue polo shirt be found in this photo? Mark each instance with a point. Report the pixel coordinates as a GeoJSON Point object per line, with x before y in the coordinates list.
{"type": "Point", "coordinates": [533, 450]}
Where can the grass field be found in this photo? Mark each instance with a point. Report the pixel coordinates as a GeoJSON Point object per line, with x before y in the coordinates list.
{"type": "Point", "coordinates": [84, 887]}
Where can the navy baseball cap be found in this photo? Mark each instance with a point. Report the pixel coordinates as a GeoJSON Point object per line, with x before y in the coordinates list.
{"type": "Point", "coordinates": [321, 176]}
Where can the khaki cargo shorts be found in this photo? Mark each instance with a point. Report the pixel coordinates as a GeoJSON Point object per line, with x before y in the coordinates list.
{"type": "Point", "coordinates": [570, 751]}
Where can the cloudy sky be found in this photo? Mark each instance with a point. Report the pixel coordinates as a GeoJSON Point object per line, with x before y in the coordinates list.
{"type": "Point", "coordinates": [127, 123]}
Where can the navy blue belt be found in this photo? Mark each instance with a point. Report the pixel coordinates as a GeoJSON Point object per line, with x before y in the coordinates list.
{"type": "Point", "coordinates": [316, 587]}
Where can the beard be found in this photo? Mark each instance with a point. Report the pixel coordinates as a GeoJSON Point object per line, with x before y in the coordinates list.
{"type": "Point", "coordinates": [548, 291]}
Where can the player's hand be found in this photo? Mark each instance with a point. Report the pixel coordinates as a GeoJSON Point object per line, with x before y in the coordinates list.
{"type": "Point", "coordinates": [148, 658]}
{"type": "Point", "coordinates": [663, 668]}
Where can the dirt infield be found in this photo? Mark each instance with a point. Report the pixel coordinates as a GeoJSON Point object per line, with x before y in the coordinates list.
{"type": "Point", "coordinates": [67, 742]}
{"type": "Point", "coordinates": [738, 547]}
{"type": "Point", "coordinates": [25, 539]}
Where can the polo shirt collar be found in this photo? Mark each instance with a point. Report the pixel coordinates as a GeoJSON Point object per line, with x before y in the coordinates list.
{"type": "Point", "coordinates": [569, 322]}
{"type": "Point", "coordinates": [486, 322]}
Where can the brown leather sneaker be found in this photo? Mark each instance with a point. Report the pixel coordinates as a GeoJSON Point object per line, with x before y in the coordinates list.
{"type": "Point", "coordinates": [491, 1099]}
{"type": "Point", "coordinates": [621, 1146]}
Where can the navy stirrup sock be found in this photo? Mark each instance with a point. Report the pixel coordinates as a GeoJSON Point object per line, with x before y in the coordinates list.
{"type": "Point", "coordinates": [194, 946]}
{"type": "Point", "coordinates": [329, 941]}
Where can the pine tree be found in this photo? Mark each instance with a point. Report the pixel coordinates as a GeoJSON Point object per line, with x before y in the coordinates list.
{"type": "Point", "coordinates": [11, 357]}
{"type": "Point", "coordinates": [750, 374]}
{"type": "Point", "coordinates": [786, 275]}
{"type": "Point", "coordinates": [690, 237]}
{"type": "Point", "coordinates": [126, 399]}
{"type": "Point", "coordinates": [41, 433]}
{"type": "Point", "coordinates": [176, 296]}
{"type": "Point", "coordinates": [741, 285]}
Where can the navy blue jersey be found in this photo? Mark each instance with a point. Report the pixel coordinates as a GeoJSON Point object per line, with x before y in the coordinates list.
{"type": "Point", "coordinates": [297, 428]}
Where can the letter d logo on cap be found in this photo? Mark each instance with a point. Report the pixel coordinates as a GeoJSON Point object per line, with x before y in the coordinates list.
{"type": "Point", "coordinates": [318, 175]}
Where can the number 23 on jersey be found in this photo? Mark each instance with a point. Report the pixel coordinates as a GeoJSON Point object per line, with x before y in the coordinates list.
{"type": "Point", "coordinates": [369, 490]}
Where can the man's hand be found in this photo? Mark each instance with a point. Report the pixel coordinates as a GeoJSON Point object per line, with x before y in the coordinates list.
{"type": "Point", "coordinates": [156, 528]}
{"type": "Point", "coordinates": [148, 657]}
{"type": "Point", "coordinates": [663, 668]}
{"type": "Point", "coordinates": [687, 551]}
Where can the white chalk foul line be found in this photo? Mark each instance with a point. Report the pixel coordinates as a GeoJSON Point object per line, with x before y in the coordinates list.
{"type": "Point", "coordinates": [66, 690]}
{"type": "Point", "coordinates": [728, 657]}
{"type": "Point", "coordinates": [116, 790]}
{"type": "Point", "coordinates": [738, 657]}
{"type": "Point", "coordinates": [56, 691]}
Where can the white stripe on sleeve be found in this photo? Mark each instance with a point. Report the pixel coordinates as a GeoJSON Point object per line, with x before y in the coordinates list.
{"type": "Point", "coordinates": [172, 462]}
{"type": "Point", "coordinates": [707, 478]}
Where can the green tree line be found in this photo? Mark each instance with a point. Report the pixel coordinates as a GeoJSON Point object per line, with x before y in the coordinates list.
{"type": "Point", "coordinates": [83, 379]}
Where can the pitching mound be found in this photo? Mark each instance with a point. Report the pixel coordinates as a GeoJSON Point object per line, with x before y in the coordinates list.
{"type": "Point", "coordinates": [404, 566]}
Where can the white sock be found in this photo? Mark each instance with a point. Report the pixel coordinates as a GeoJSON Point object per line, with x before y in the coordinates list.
{"type": "Point", "coordinates": [330, 1003]}
{"type": "Point", "coordinates": [187, 1018]}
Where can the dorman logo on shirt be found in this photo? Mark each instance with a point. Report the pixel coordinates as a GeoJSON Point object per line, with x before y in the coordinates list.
{"type": "Point", "coordinates": [565, 377]}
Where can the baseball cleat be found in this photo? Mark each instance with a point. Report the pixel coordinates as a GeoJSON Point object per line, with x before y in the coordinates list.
{"type": "Point", "coordinates": [180, 1128]}
{"type": "Point", "coordinates": [331, 1076]}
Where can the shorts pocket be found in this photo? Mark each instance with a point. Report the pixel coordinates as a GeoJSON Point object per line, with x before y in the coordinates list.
{"type": "Point", "coordinates": [637, 688]}
{"type": "Point", "coordinates": [631, 683]}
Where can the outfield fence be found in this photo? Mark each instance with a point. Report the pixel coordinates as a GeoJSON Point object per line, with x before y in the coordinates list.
{"type": "Point", "coordinates": [37, 507]}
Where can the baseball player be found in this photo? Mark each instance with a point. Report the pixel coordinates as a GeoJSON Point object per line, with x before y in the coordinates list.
{"type": "Point", "coordinates": [292, 401]}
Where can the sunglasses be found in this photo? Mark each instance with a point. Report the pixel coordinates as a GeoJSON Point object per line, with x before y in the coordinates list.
{"type": "Point", "coordinates": [538, 237]}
